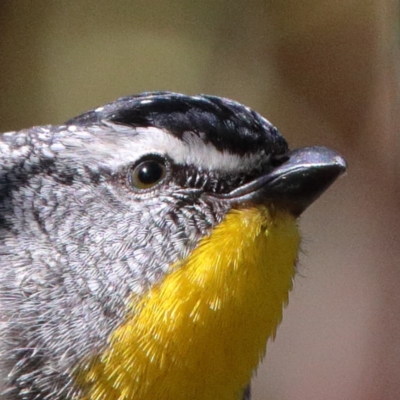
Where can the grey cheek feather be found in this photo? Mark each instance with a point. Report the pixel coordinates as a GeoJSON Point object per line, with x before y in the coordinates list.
{"type": "Point", "coordinates": [73, 252]}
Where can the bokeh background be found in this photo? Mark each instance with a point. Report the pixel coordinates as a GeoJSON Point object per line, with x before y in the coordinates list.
{"type": "Point", "coordinates": [326, 73]}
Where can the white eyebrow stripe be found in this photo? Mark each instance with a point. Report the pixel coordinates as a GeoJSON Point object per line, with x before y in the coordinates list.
{"type": "Point", "coordinates": [118, 145]}
{"type": "Point", "coordinates": [192, 150]}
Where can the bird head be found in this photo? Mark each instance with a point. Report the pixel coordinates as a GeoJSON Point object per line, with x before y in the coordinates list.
{"type": "Point", "coordinates": [100, 216]}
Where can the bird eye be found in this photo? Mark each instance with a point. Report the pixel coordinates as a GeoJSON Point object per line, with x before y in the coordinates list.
{"type": "Point", "coordinates": [148, 173]}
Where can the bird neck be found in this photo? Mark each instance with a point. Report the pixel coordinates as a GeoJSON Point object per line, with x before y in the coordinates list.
{"type": "Point", "coordinates": [202, 331]}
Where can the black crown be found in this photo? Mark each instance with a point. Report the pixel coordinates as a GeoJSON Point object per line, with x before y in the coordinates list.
{"type": "Point", "coordinates": [228, 125]}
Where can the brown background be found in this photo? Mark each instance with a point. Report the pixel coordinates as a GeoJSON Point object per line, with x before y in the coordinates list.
{"type": "Point", "coordinates": [325, 72]}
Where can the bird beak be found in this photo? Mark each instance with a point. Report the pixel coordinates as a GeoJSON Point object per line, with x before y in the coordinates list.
{"type": "Point", "coordinates": [295, 184]}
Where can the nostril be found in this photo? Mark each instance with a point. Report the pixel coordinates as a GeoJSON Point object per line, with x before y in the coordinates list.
{"type": "Point", "coordinates": [278, 160]}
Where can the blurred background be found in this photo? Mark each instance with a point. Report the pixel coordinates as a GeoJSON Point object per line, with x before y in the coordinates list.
{"type": "Point", "coordinates": [324, 72]}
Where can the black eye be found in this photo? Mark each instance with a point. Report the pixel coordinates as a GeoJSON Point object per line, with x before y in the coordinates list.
{"type": "Point", "coordinates": [148, 173]}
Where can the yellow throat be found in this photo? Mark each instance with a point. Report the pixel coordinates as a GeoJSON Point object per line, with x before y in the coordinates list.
{"type": "Point", "coordinates": [200, 334]}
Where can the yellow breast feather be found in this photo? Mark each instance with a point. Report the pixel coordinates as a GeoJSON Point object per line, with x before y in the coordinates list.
{"type": "Point", "coordinates": [201, 333]}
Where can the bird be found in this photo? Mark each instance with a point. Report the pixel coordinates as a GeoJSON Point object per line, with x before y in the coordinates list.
{"type": "Point", "coordinates": [148, 248]}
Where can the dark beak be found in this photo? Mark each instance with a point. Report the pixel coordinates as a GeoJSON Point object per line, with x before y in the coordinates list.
{"type": "Point", "coordinates": [295, 184]}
